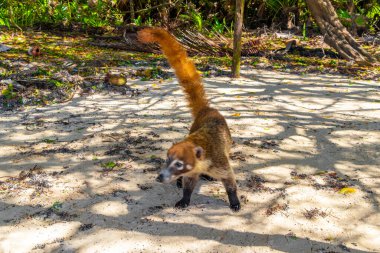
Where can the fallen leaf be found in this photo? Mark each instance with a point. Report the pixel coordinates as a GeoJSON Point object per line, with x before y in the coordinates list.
{"type": "Point", "coordinates": [49, 140]}
{"type": "Point", "coordinates": [236, 114]}
{"type": "Point", "coordinates": [347, 190]}
{"type": "Point", "coordinates": [57, 205]}
{"type": "Point", "coordinates": [321, 172]}
{"type": "Point", "coordinates": [115, 79]}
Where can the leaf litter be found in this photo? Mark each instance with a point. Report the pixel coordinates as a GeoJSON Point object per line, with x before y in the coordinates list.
{"type": "Point", "coordinates": [34, 178]}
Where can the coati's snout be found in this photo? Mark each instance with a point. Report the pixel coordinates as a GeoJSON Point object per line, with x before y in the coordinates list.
{"type": "Point", "coordinates": [164, 177]}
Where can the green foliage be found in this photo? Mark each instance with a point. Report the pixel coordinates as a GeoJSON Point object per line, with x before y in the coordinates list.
{"type": "Point", "coordinates": [304, 31]}
{"type": "Point", "coordinates": [57, 83]}
{"type": "Point", "coordinates": [109, 165]}
{"type": "Point", "coordinates": [42, 72]}
{"type": "Point", "coordinates": [4, 21]}
{"type": "Point", "coordinates": [57, 206]}
{"type": "Point", "coordinates": [343, 14]}
{"type": "Point", "coordinates": [364, 12]}
{"type": "Point", "coordinates": [149, 21]}
{"type": "Point", "coordinates": [138, 21]}
{"type": "Point", "coordinates": [277, 6]}
{"type": "Point", "coordinates": [222, 27]}
{"type": "Point", "coordinates": [49, 141]}
{"type": "Point", "coordinates": [197, 20]}
{"type": "Point", "coordinates": [230, 29]}
{"type": "Point", "coordinates": [203, 15]}
{"type": "Point", "coordinates": [35, 12]}
{"type": "Point", "coordinates": [8, 92]}
{"type": "Point", "coordinates": [217, 26]}
{"type": "Point", "coordinates": [372, 13]}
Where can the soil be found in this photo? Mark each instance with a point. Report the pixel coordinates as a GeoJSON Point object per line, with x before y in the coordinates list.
{"type": "Point", "coordinates": [80, 176]}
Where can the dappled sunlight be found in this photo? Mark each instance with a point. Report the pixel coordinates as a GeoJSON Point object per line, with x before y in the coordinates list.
{"type": "Point", "coordinates": [351, 138]}
{"type": "Point", "coordinates": [110, 208]}
{"type": "Point", "coordinates": [298, 141]}
{"type": "Point", "coordinates": [34, 234]}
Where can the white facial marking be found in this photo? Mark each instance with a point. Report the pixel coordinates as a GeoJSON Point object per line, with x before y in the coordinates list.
{"type": "Point", "coordinates": [173, 164]}
{"type": "Point", "coordinates": [189, 167]}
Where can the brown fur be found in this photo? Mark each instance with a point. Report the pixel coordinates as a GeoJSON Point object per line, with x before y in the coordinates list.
{"type": "Point", "coordinates": [206, 149]}
{"type": "Point", "coordinates": [184, 68]}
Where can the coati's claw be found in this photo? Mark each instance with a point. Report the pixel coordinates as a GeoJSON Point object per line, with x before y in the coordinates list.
{"type": "Point", "coordinates": [235, 208]}
{"type": "Point", "coordinates": [182, 204]}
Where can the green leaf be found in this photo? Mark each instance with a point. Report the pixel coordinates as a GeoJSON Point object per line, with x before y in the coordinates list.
{"type": "Point", "coordinates": [343, 14]}
{"type": "Point", "coordinates": [57, 205]}
{"type": "Point", "coordinates": [109, 165]}
{"type": "Point", "coordinates": [49, 140]}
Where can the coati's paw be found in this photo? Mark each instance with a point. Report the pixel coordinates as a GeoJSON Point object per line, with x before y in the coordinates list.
{"type": "Point", "coordinates": [182, 204]}
{"type": "Point", "coordinates": [235, 207]}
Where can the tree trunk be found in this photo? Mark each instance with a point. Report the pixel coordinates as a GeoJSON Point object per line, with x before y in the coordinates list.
{"type": "Point", "coordinates": [336, 35]}
{"type": "Point", "coordinates": [239, 11]}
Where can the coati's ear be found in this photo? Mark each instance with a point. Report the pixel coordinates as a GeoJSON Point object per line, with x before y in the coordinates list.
{"type": "Point", "coordinates": [199, 152]}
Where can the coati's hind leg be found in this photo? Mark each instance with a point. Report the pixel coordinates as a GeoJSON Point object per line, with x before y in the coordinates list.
{"type": "Point", "coordinates": [231, 189]}
{"type": "Point", "coordinates": [188, 184]}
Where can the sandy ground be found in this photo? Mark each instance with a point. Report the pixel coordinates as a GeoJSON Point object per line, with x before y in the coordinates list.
{"type": "Point", "coordinates": [89, 168]}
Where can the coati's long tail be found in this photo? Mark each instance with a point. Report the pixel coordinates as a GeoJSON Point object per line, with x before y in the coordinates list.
{"type": "Point", "coordinates": [184, 67]}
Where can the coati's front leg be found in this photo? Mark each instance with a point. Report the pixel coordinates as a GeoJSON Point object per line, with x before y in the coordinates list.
{"type": "Point", "coordinates": [231, 189]}
{"type": "Point", "coordinates": [188, 187]}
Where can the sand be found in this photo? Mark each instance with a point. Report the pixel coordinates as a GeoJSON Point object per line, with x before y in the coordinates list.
{"type": "Point", "coordinates": [90, 165]}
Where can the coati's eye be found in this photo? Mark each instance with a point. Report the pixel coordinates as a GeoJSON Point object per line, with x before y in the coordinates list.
{"type": "Point", "coordinates": [178, 164]}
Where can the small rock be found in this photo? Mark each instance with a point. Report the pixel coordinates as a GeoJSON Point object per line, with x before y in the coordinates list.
{"type": "Point", "coordinates": [4, 48]}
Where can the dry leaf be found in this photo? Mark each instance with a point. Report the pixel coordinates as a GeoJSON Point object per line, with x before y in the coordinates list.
{"type": "Point", "coordinates": [236, 114]}
{"type": "Point", "coordinates": [321, 172]}
{"type": "Point", "coordinates": [347, 190]}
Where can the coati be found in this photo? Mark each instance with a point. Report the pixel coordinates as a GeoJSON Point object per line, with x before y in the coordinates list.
{"type": "Point", "coordinates": [205, 150]}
